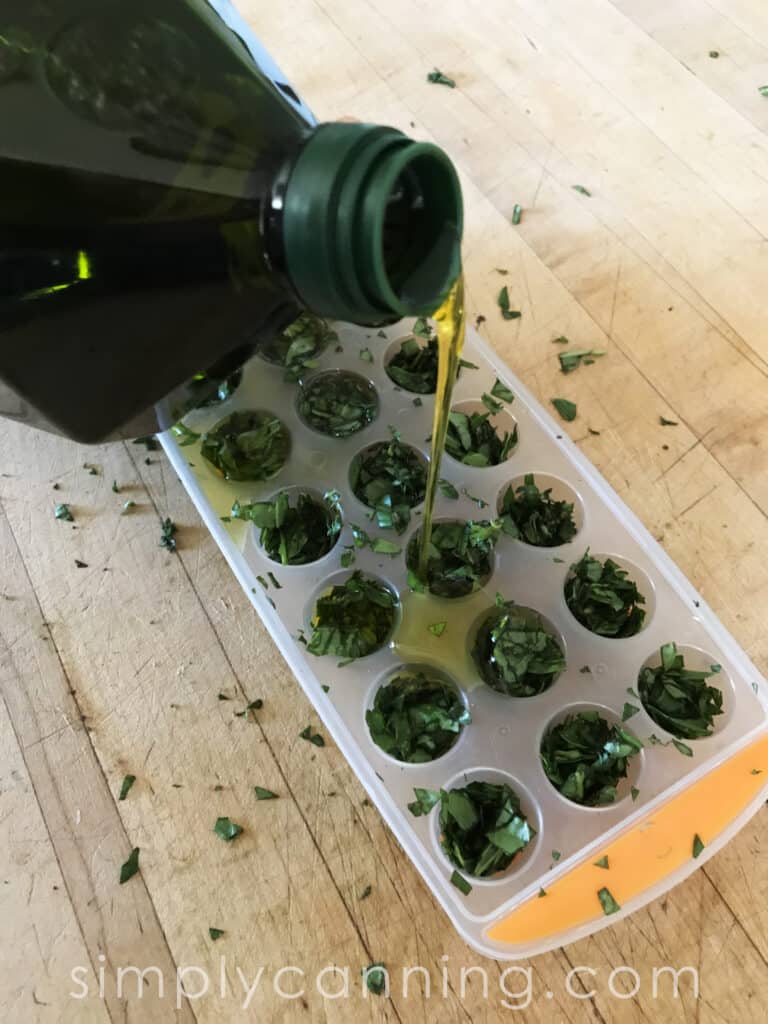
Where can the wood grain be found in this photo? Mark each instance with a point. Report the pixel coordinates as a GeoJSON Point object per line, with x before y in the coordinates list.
{"type": "Point", "coordinates": [117, 667]}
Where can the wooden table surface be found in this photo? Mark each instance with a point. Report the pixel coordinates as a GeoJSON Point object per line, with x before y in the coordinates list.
{"type": "Point", "coordinates": [115, 668]}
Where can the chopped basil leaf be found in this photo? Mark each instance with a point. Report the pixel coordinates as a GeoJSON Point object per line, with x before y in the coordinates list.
{"type": "Point", "coordinates": [424, 802]}
{"type": "Point", "coordinates": [556, 855]}
{"type": "Point", "coordinates": [150, 443]}
{"type": "Point", "coordinates": [679, 699]}
{"type": "Point", "coordinates": [264, 794]}
{"type": "Point", "coordinates": [635, 793]}
{"type": "Point", "coordinates": [347, 558]}
{"type": "Point", "coordinates": [127, 506]}
{"type": "Point", "coordinates": [561, 340]}
{"type": "Point", "coordinates": [482, 827]}
{"type": "Point", "coordinates": [460, 556]}
{"type": "Point", "coordinates": [167, 535]}
{"type": "Point", "coordinates": [447, 489]}
{"type": "Point", "coordinates": [573, 358]}
{"type": "Point", "coordinates": [437, 628]}
{"type": "Point", "coordinates": [515, 654]}
{"type": "Point", "coordinates": [565, 408]}
{"type": "Point", "coordinates": [366, 355]}
{"type": "Point", "coordinates": [584, 757]}
{"type": "Point", "coordinates": [763, 90]}
{"type": "Point", "coordinates": [500, 390]}
{"type": "Point", "coordinates": [353, 618]}
{"type": "Point", "coordinates": [131, 866]}
{"type": "Point", "coordinates": [698, 846]}
{"type": "Point", "coordinates": [503, 303]}
{"type": "Point", "coordinates": [376, 978]}
{"type": "Point", "coordinates": [390, 478]}
{"type": "Point", "coordinates": [603, 598]}
{"type": "Point", "coordinates": [293, 534]}
{"type": "Point", "coordinates": [533, 516]}
{"type": "Point", "coordinates": [63, 512]}
{"type": "Point", "coordinates": [517, 213]}
{"type": "Point", "coordinates": [365, 893]}
{"type": "Point", "coordinates": [628, 711]}
{"type": "Point", "coordinates": [226, 829]}
{"type": "Point", "coordinates": [247, 445]}
{"type": "Point", "coordinates": [682, 748]}
{"type": "Point", "coordinates": [125, 788]}
{"type": "Point", "coordinates": [184, 436]}
{"type": "Point", "coordinates": [438, 78]}
{"type": "Point", "coordinates": [416, 717]}
{"type": "Point", "coordinates": [608, 903]}
{"type": "Point", "coordinates": [312, 737]}
{"type": "Point", "coordinates": [581, 190]}
{"type": "Point", "coordinates": [474, 440]}
{"type": "Point", "coordinates": [491, 404]}
{"type": "Point", "coordinates": [668, 423]}
{"type": "Point", "coordinates": [215, 933]}
{"type": "Point", "coordinates": [480, 502]}
{"type": "Point", "coordinates": [461, 883]}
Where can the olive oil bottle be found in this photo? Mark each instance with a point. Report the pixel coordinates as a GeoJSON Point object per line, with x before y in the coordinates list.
{"type": "Point", "coordinates": [167, 203]}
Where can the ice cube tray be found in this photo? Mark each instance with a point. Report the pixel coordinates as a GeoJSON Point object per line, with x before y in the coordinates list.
{"type": "Point", "coordinates": [648, 839]}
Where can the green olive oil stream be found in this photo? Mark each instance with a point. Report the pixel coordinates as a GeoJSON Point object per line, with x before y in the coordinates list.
{"type": "Point", "coordinates": [450, 341]}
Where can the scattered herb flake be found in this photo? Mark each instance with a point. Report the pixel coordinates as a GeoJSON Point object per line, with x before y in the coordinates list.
{"type": "Point", "coordinates": [756, 771]}
{"type": "Point", "coordinates": [184, 436]}
{"type": "Point", "coordinates": [500, 390]}
{"type": "Point", "coordinates": [608, 903]}
{"type": "Point", "coordinates": [714, 54]}
{"type": "Point", "coordinates": [150, 443]}
{"type": "Point", "coordinates": [668, 423]}
{"type": "Point", "coordinates": [376, 978]}
{"type": "Point", "coordinates": [542, 893]}
{"type": "Point", "coordinates": [447, 489]}
{"type": "Point", "coordinates": [226, 829]}
{"type": "Point", "coordinates": [127, 506]}
{"type": "Point", "coordinates": [417, 402]}
{"type": "Point", "coordinates": [635, 793]}
{"type": "Point", "coordinates": [438, 78]}
{"type": "Point", "coordinates": [63, 512]}
{"type": "Point", "coordinates": [482, 827]}
{"type": "Point", "coordinates": [573, 358]}
{"type": "Point", "coordinates": [602, 863]}
{"type": "Point", "coordinates": [167, 535]}
{"type": "Point", "coordinates": [603, 598]}
{"type": "Point", "coordinates": [312, 737]}
{"type": "Point", "coordinates": [215, 933]}
{"type": "Point", "coordinates": [437, 628]}
{"type": "Point", "coordinates": [534, 517]}
{"type": "Point", "coordinates": [763, 90]}
{"type": "Point", "coordinates": [584, 757]}
{"type": "Point", "coordinates": [131, 866]}
{"type": "Point", "coordinates": [561, 340]}
{"type": "Point", "coordinates": [556, 855]}
{"type": "Point", "coordinates": [682, 748]}
{"type": "Point", "coordinates": [460, 556]}
{"type": "Point", "coordinates": [247, 445]}
{"type": "Point", "coordinates": [293, 534]}
{"type": "Point", "coordinates": [223, 696]}
{"type": "Point", "coordinates": [424, 802]}
{"type": "Point", "coordinates": [347, 557]}
{"type": "Point", "coordinates": [678, 699]}
{"type": "Point", "coordinates": [503, 304]}
{"type": "Point", "coordinates": [698, 846]}
{"type": "Point", "coordinates": [566, 409]}
{"type": "Point", "coordinates": [517, 214]}
{"type": "Point", "coordinates": [365, 893]}
{"type": "Point", "coordinates": [480, 502]}
{"type": "Point", "coordinates": [125, 788]}
{"type": "Point", "coordinates": [491, 404]}
{"type": "Point", "coordinates": [585, 670]}
{"type": "Point", "coordinates": [366, 355]}
{"type": "Point", "coordinates": [80, 564]}
{"type": "Point", "coordinates": [628, 711]}
{"type": "Point", "coordinates": [473, 440]}
{"type": "Point", "coordinates": [581, 190]}
{"type": "Point", "coordinates": [264, 794]}
{"type": "Point", "coordinates": [593, 432]}
{"type": "Point", "coordinates": [461, 883]}
{"type": "Point", "coordinates": [353, 618]}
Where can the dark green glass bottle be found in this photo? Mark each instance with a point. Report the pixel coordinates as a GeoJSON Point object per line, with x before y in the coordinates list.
{"type": "Point", "coordinates": [167, 203]}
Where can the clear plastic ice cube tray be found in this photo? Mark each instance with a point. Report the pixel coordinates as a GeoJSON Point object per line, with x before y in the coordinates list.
{"type": "Point", "coordinates": [502, 741]}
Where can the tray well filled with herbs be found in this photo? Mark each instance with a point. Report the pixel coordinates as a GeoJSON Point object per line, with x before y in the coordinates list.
{"type": "Point", "coordinates": [552, 679]}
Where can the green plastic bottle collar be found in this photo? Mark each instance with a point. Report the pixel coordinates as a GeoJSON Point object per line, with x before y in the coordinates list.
{"type": "Point", "coordinates": [372, 224]}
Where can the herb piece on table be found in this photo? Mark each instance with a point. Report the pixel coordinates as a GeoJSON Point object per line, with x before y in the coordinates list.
{"type": "Point", "coordinates": [414, 366]}
{"type": "Point", "coordinates": [581, 190]}
{"type": "Point", "coordinates": [293, 534]}
{"type": "Point", "coordinates": [437, 628]}
{"type": "Point", "coordinates": [534, 517]}
{"type": "Point", "coordinates": [585, 757]}
{"type": "Point", "coordinates": [127, 506]}
{"type": "Point", "coordinates": [480, 502]}
{"type": "Point", "coordinates": [460, 557]}
{"type": "Point", "coordinates": [438, 78]}
{"type": "Point", "coordinates": [80, 564]}
{"type": "Point", "coordinates": [264, 794]}
{"type": "Point", "coordinates": [150, 443]}
{"type": "Point", "coordinates": [366, 892]}
{"type": "Point", "coordinates": [573, 358]}
{"type": "Point", "coordinates": [353, 618]}
{"type": "Point", "coordinates": [561, 340]}
{"type": "Point", "coordinates": [714, 54]}
{"type": "Point", "coordinates": [603, 598]}
{"type": "Point", "coordinates": [416, 718]}
{"type": "Point", "coordinates": [312, 737]}
{"type": "Point", "coordinates": [515, 654]}
{"type": "Point", "coordinates": [215, 933]}
{"type": "Point", "coordinates": [247, 445]}
{"type": "Point", "coordinates": [131, 866]}
{"type": "Point", "coordinates": [115, 487]}
{"type": "Point", "coordinates": [566, 409]}
{"type": "Point", "coordinates": [225, 387]}
{"type": "Point", "coordinates": [297, 347]}
{"type": "Point", "coordinates": [503, 304]}
{"type": "Point", "coordinates": [125, 788]}
{"type": "Point", "coordinates": [461, 883]}
{"type": "Point", "coordinates": [678, 699]}
{"type": "Point", "coordinates": [763, 90]}
{"type": "Point", "coordinates": [167, 535]}
{"type": "Point", "coordinates": [338, 403]}
{"type": "Point", "coordinates": [473, 439]}
{"type": "Point", "coordinates": [226, 829]}
{"type": "Point", "coordinates": [63, 512]}
{"type": "Point", "coordinates": [376, 978]}
{"type": "Point", "coordinates": [389, 477]}
{"type": "Point", "coordinates": [517, 214]}
{"type": "Point", "coordinates": [255, 705]}
{"type": "Point", "coordinates": [424, 802]}
{"type": "Point", "coordinates": [668, 423]}
{"type": "Point", "coordinates": [482, 827]}
{"type": "Point", "coordinates": [607, 902]}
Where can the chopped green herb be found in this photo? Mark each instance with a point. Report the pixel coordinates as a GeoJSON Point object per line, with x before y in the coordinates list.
{"type": "Point", "coordinates": [534, 517]}
{"type": "Point", "coordinates": [262, 580]}
{"type": "Point", "coordinates": [150, 443]}
{"type": "Point", "coordinates": [312, 737]}
{"type": "Point", "coordinates": [603, 598]}
{"type": "Point", "coordinates": [763, 90]}
{"type": "Point", "coordinates": [226, 829]}
{"type": "Point", "coordinates": [353, 618]}
{"type": "Point", "coordinates": [629, 711]}
{"type": "Point", "coordinates": [561, 340]}
{"type": "Point", "coordinates": [225, 388]}
{"type": "Point", "coordinates": [63, 512]}
{"type": "Point", "coordinates": [125, 788]}
{"type": "Point", "coordinates": [602, 863]}
{"type": "Point", "coordinates": [460, 556]}
{"type": "Point", "coordinates": [635, 793]}
{"type": "Point", "coordinates": [255, 705]}
{"type": "Point", "coordinates": [698, 846]}
{"type": "Point", "coordinates": [416, 717]}
{"type": "Point", "coordinates": [594, 433]}
{"type": "Point", "coordinates": [325, 688]}
{"type": "Point", "coordinates": [679, 699]}
{"type": "Point", "coordinates": [379, 545]}
{"type": "Point", "coordinates": [584, 757]}
{"type": "Point", "coordinates": [414, 366]}
{"type": "Point", "coordinates": [447, 489]}
{"type": "Point", "coordinates": [247, 445]}
{"type": "Point", "coordinates": [491, 404]}
{"type": "Point", "coordinates": [482, 827]}
{"type": "Point", "coordinates": [376, 978]}
{"type": "Point", "coordinates": [556, 855]}
{"type": "Point", "coordinates": [424, 802]}
{"type": "Point", "coordinates": [417, 402]}
{"type": "Point", "coordinates": [542, 893]}
{"type": "Point", "coordinates": [500, 390]}
{"type": "Point", "coordinates": [390, 478]}
{"type": "Point", "coordinates": [80, 565]}
{"type": "Point", "coordinates": [365, 893]}
{"type": "Point", "coordinates": [338, 403]}
{"type": "Point", "coordinates": [438, 78]}
{"type": "Point", "coordinates": [294, 534]}
{"type": "Point", "coordinates": [480, 502]}
{"type": "Point", "coordinates": [585, 670]}
{"type": "Point", "coordinates": [501, 270]}
{"type": "Point", "coordinates": [461, 883]}
{"type": "Point", "coordinates": [347, 557]}
{"type": "Point", "coordinates": [667, 423]}
{"type": "Point", "coordinates": [215, 933]}
{"type": "Point", "coordinates": [517, 213]}
{"type": "Point", "coordinates": [503, 303]}
{"type": "Point", "coordinates": [366, 355]}
{"type": "Point", "coordinates": [566, 409]}
{"type": "Point", "coordinates": [756, 771]}
{"type": "Point", "coordinates": [608, 903]}
{"type": "Point", "coordinates": [573, 358]}
{"type": "Point", "coordinates": [473, 439]}
{"type": "Point", "coordinates": [184, 436]}
{"type": "Point", "coordinates": [167, 535]}
{"type": "Point", "coordinates": [131, 866]}
{"type": "Point", "coordinates": [437, 628]}
{"type": "Point", "coordinates": [297, 348]}
{"type": "Point", "coordinates": [275, 582]}
{"type": "Point", "coordinates": [581, 190]}
{"type": "Point", "coordinates": [714, 54]}
{"type": "Point", "coordinates": [682, 748]}
{"type": "Point", "coordinates": [127, 506]}
{"type": "Point", "coordinates": [223, 696]}
{"type": "Point", "coordinates": [514, 653]}
{"type": "Point", "coordinates": [264, 794]}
